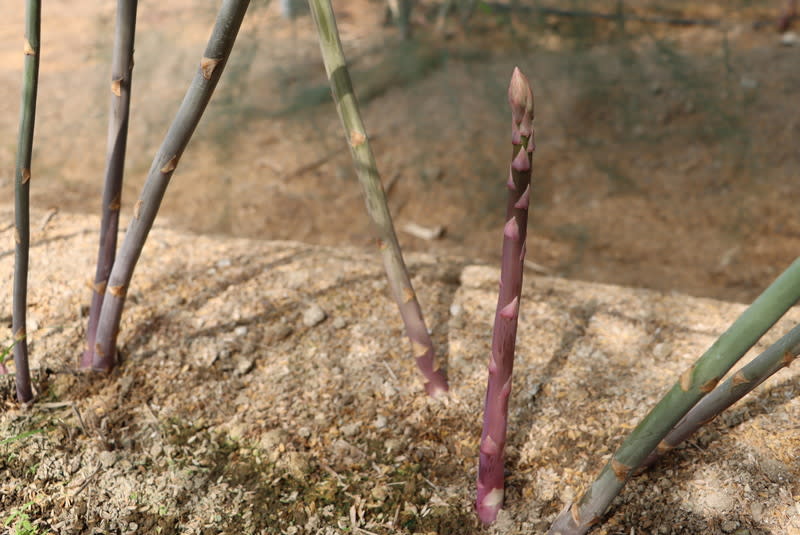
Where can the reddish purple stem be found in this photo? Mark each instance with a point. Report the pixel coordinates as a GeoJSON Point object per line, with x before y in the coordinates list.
{"type": "Point", "coordinates": [501, 363]}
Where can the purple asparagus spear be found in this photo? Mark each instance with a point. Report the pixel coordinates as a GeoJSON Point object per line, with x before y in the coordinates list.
{"type": "Point", "coordinates": [501, 361]}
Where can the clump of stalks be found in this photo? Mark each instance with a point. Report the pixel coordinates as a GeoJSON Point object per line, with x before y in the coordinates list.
{"type": "Point", "coordinates": [374, 195]}
{"type": "Point", "coordinates": [700, 379]}
{"type": "Point", "coordinates": [209, 70]}
{"type": "Point", "coordinates": [501, 362]}
{"type": "Point", "coordinates": [22, 178]}
{"type": "Point", "coordinates": [775, 358]}
{"type": "Point", "coordinates": [121, 79]}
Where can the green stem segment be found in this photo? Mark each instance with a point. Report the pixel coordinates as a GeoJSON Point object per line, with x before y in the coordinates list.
{"type": "Point", "coordinates": [121, 78]}
{"type": "Point", "coordinates": [374, 195]}
{"type": "Point", "coordinates": [220, 44]}
{"type": "Point", "coordinates": [30, 84]}
{"type": "Point", "coordinates": [694, 383]}
{"type": "Point", "coordinates": [501, 362]}
{"type": "Point", "coordinates": [778, 356]}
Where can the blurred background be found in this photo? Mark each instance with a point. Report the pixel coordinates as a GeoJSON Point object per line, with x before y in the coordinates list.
{"type": "Point", "coordinates": [667, 131]}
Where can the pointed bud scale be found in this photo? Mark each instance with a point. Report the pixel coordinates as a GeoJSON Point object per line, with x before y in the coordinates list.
{"type": "Point", "coordinates": [418, 350]}
{"type": "Point", "coordinates": [489, 446]}
{"type": "Point", "coordinates": [518, 91]}
{"type": "Point", "coordinates": [408, 295]}
{"type": "Point", "coordinates": [526, 126]}
{"type": "Point", "coordinates": [521, 162]}
{"type": "Point", "coordinates": [531, 143]}
{"type": "Point", "coordinates": [207, 66]}
{"type": "Point", "coordinates": [739, 378]}
{"type": "Point", "coordinates": [510, 310]}
{"type": "Point", "coordinates": [492, 365]}
{"type": "Point", "coordinates": [524, 200]}
{"type": "Point", "coordinates": [511, 230]}
{"type": "Point", "coordinates": [516, 137]}
{"type": "Point", "coordinates": [494, 498]}
{"type": "Point", "coordinates": [506, 390]}
{"type": "Point", "coordinates": [510, 184]}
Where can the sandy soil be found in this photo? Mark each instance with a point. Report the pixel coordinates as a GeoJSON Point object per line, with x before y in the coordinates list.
{"type": "Point", "coordinates": [239, 408]}
{"type": "Point", "coordinates": [667, 156]}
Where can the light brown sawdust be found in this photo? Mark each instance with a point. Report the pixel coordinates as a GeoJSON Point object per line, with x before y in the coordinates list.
{"type": "Point", "coordinates": [230, 414]}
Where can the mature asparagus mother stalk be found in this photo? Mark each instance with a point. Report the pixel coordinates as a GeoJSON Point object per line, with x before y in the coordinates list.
{"type": "Point", "coordinates": [366, 169]}
{"type": "Point", "coordinates": [694, 383]}
{"type": "Point", "coordinates": [229, 19]}
{"type": "Point", "coordinates": [30, 84]}
{"type": "Point", "coordinates": [121, 78]}
{"type": "Point", "coordinates": [501, 361]}
{"type": "Point", "coordinates": [776, 357]}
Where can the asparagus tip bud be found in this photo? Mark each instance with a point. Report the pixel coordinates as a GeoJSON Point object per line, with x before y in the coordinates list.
{"type": "Point", "coordinates": [519, 95]}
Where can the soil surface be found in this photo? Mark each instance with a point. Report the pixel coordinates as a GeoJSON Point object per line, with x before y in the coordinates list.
{"type": "Point", "coordinates": [667, 155]}
{"type": "Point", "coordinates": [666, 159]}
{"type": "Point", "coordinates": [267, 388]}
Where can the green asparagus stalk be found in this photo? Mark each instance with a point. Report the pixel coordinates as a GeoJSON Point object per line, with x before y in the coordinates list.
{"type": "Point", "coordinates": [401, 14]}
{"type": "Point", "coordinates": [776, 357]}
{"type": "Point", "coordinates": [694, 383]}
{"type": "Point", "coordinates": [30, 84]}
{"type": "Point", "coordinates": [229, 19]}
{"type": "Point", "coordinates": [121, 78]}
{"type": "Point", "coordinates": [501, 362]}
{"type": "Point", "coordinates": [375, 197]}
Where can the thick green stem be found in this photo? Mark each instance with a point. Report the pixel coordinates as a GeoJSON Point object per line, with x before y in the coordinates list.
{"type": "Point", "coordinates": [30, 84]}
{"type": "Point", "coordinates": [375, 197]}
{"type": "Point", "coordinates": [694, 383]}
{"type": "Point", "coordinates": [778, 356]}
{"type": "Point", "coordinates": [501, 362]}
{"type": "Point", "coordinates": [229, 19]}
{"type": "Point", "coordinates": [121, 78]}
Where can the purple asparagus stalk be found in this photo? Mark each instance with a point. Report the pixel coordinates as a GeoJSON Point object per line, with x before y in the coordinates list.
{"type": "Point", "coordinates": [501, 361]}
{"type": "Point", "coordinates": [121, 77]}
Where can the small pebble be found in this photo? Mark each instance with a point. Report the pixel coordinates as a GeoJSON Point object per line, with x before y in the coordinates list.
{"type": "Point", "coordinates": [789, 39]}
{"type": "Point", "coordinates": [455, 309]}
{"type": "Point", "coordinates": [350, 429]}
{"type": "Point", "coordinates": [392, 445]}
{"type": "Point", "coordinates": [296, 463]}
{"type": "Point", "coordinates": [380, 493]}
{"type": "Point", "coordinates": [244, 365]}
{"type": "Point", "coordinates": [729, 526]}
{"type": "Point", "coordinates": [388, 390]}
{"type": "Point", "coordinates": [380, 422]}
{"type": "Point", "coordinates": [662, 350]}
{"type": "Point", "coordinates": [273, 438]}
{"type": "Point", "coordinates": [223, 262]}
{"type": "Point", "coordinates": [748, 83]}
{"type": "Point", "coordinates": [107, 459]}
{"type": "Point", "coordinates": [339, 323]}
{"type": "Point", "coordinates": [241, 330]}
{"type": "Point", "coordinates": [313, 315]}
